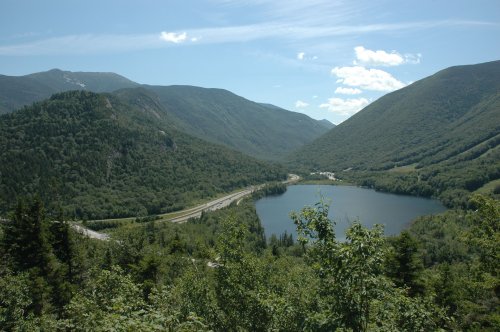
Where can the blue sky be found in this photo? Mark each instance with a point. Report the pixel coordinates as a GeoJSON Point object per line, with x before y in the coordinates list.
{"type": "Point", "coordinates": [325, 58]}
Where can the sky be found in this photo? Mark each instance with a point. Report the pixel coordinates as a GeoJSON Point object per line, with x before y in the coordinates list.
{"type": "Point", "coordinates": [325, 58]}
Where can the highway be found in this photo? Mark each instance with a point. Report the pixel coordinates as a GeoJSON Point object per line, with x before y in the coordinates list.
{"type": "Point", "coordinates": [214, 205]}
{"type": "Point", "coordinates": [224, 201]}
{"type": "Point", "coordinates": [194, 212]}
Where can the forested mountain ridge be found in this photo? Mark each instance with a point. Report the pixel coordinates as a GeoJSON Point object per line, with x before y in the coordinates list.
{"type": "Point", "coordinates": [219, 116]}
{"type": "Point", "coordinates": [18, 91]}
{"type": "Point", "coordinates": [438, 134]}
{"type": "Point", "coordinates": [102, 155]}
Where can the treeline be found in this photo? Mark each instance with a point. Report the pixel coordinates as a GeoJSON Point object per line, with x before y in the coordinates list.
{"type": "Point", "coordinates": [452, 183]}
{"type": "Point", "coordinates": [270, 189]}
{"type": "Point", "coordinates": [219, 273]}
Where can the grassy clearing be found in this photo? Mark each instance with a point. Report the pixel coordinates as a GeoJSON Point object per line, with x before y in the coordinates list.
{"type": "Point", "coordinates": [404, 169]}
{"type": "Point", "coordinates": [488, 187]}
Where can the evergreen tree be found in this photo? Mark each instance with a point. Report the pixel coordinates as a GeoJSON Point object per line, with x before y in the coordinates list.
{"type": "Point", "coordinates": [27, 243]}
{"type": "Point", "coordinates": [406, 264]}
{"type": "Point", "coordinates": [26, 238]}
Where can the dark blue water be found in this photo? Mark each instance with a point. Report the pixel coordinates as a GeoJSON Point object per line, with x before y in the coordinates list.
{"type": "Point", "coordinates": [347, 204]}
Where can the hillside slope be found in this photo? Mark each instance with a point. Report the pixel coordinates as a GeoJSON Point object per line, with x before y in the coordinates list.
{"type": "Point", "coordinates": [18, 91]}
{"type": "Point", "coordinates": [99, 155]}
{"type": "Point", "coordinates": [219, 116]}
{"type": "Point", "coordinates": [443, 126]}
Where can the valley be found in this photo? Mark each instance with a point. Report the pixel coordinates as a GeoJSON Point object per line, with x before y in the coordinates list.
{"type": "Point", "coordinates": [129, 206]}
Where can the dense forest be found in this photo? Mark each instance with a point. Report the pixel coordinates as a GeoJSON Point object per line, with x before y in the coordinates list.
{"type": "Point", "coordinates": [219, 273]}
{"type": "Point", "coordinates": [101, 156]}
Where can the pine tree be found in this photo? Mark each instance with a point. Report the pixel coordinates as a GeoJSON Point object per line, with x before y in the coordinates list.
{"type": "Point", "coordinates": [27, 242]}
{"type": "Point", "coordinates": [406, 264]}
{"type": "Point", "coordinates": [26, 239]}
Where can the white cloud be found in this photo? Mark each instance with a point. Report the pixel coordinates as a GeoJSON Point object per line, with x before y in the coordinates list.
{"type": "Point", "coordinates": [378, 58]}
{"type": "Point", "coordinates": [413, 58]}
{"type": "Point", "coordinates": [346, 107]}
{"type": "Point", "coordinates": [173, 37]}
{"type": "Point", "coordinates": [302, 56]}
{"type": "Point", "coordinates": [369, 79]}
{"type": "Point", "coordinates": [383, 58]}
{"type": "Point", "coordinates": [301, 104]}
{"type": "Point", "coordinates": [348, 91]}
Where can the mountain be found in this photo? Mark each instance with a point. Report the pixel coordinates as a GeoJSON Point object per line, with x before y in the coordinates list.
{"type": "Point", "coordinates": [113, 155]}
{"type": "Point", "coordinates": [219, 116]}
{"type": "Point", "coordinates": [442, 131]}
{"type": "Point", "coordinates": [18, 91]}
{"type": "Point", "coordinates": [261, 130]}
{"type": "Point", "coordinates": [327, 124]}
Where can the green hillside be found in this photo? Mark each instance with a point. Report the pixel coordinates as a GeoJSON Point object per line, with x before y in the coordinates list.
{"type": "Point", "coordinates": [219, 116]}
{"type": "Point", "coordinates": [437, 134]}
{"type": "Point", "coordinates": [101, 155]}
{"type": "Point", "coordinates": [18, 91]}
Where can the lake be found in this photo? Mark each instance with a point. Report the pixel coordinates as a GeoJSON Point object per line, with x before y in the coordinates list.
{"type": "Point", "coordinates": [347, 203]}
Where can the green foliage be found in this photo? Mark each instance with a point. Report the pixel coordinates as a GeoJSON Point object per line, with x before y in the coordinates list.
{"type": "Point", "coordinates": [26, 238]}
{"type": "Point", "coordinates": [405, 263]}
{"type": "Point", "coordinates": [270, 189]}
{"type": "Point", "coordinates": [485, 232]}
{"type": "Point", "coordinates": [354, 294]}
{"type": "Point", "coordinates": [281, 244]}
{"type": "Point", "coordinates": [240, 282]}
{"type": "Point", "coordinates": [395, 311]}
{"type": "Point", "coordinates": [246, 214]}
{"type": "Point", "coordinates": [15, 300]}
{"type": "Point", "coordinates": [110, 301]}
{"type": "Point", "coordinates": [461, 258]}
{"type": "Point", "coordinates": [217, 274]}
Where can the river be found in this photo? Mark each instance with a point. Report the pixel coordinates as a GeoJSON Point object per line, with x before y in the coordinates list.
{"type": "Point", "coordinates": [347, 203]}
